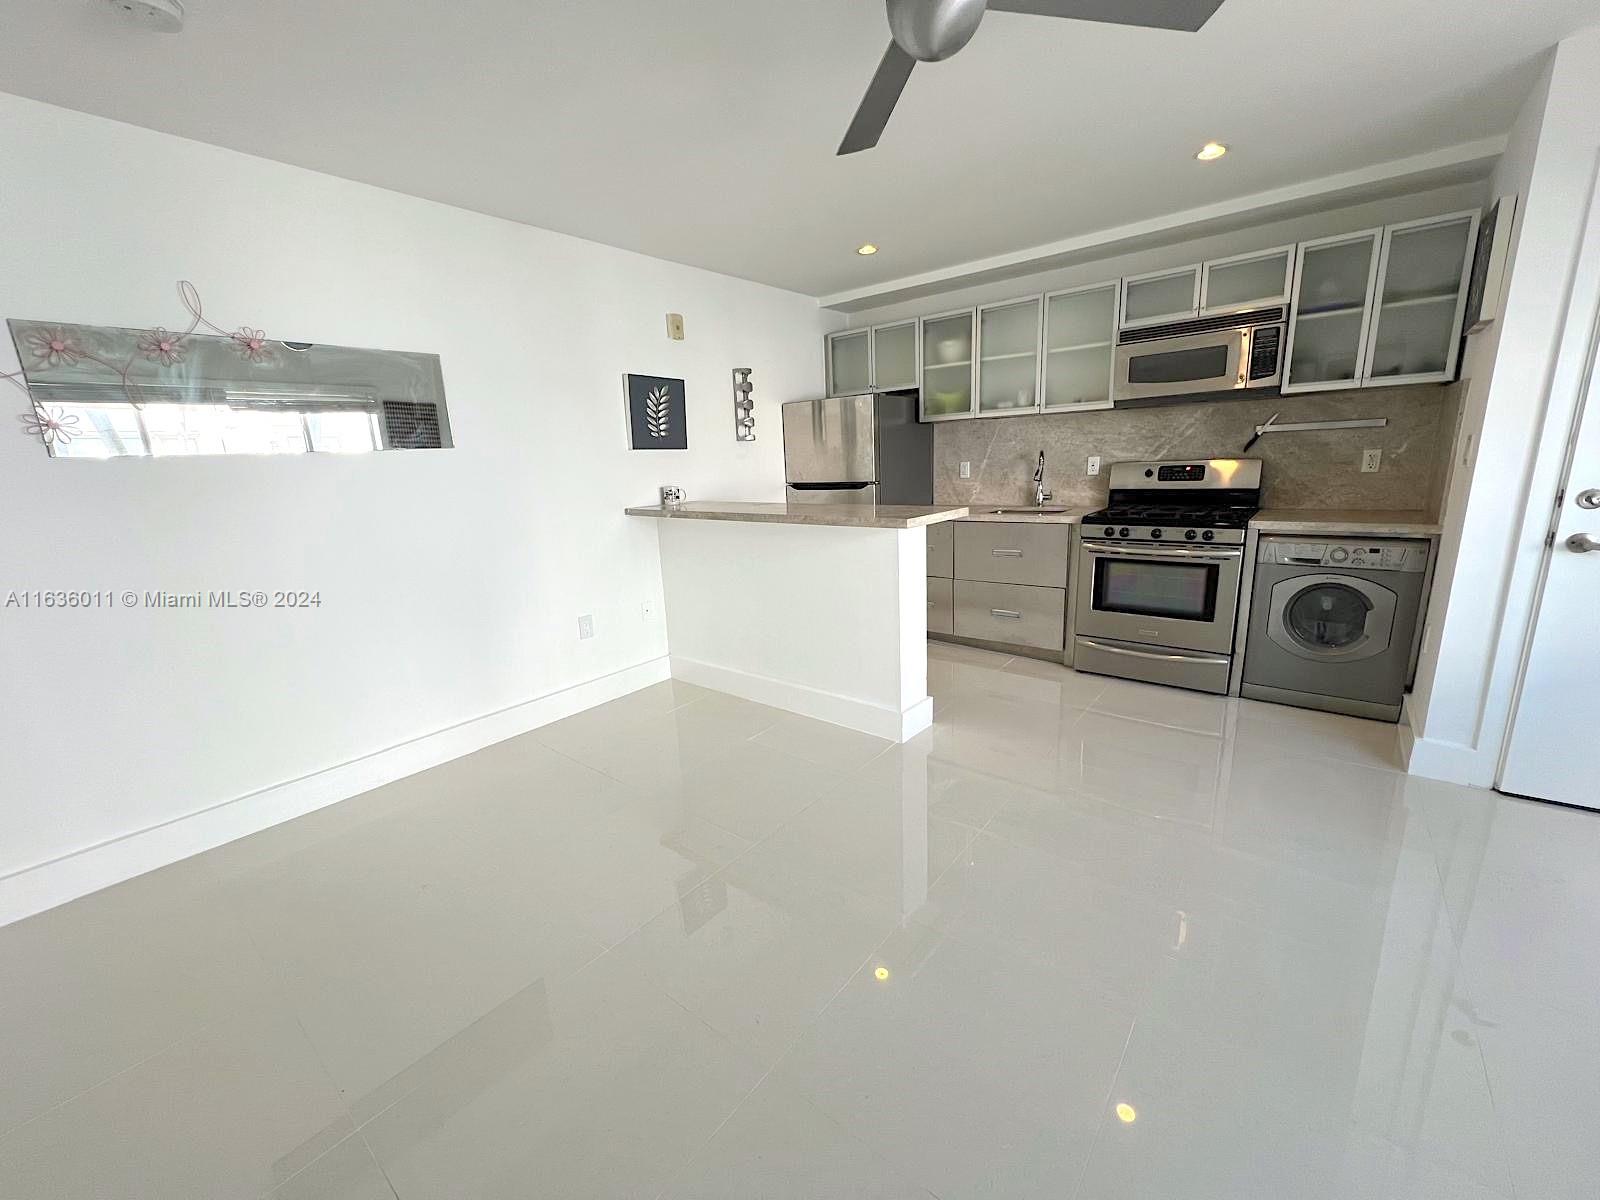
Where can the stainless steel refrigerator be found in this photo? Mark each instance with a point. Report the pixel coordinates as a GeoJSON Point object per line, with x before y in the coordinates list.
{"type": "Point", "coordinates": [866, 449]}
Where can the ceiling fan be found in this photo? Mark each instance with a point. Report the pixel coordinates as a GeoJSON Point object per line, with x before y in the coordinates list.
{"type": "Point", "coordinates": [931, 30]}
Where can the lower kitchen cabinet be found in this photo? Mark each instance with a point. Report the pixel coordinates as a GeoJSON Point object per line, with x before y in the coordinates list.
{"type": "Point", "coordinates": [941, 606]}
{"type": "Point", "coordinates": [1012, 552]}
{"type": "Point", "coordinates": [941, 550]}
{"type": "Point", "coordinates": [1018, 613]}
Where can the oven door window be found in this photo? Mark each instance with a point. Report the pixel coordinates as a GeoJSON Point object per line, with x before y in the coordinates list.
{"type": "Point", "coordinates": [1180, 366]}
{"type": "Point", "coordinates": [1179, 590]}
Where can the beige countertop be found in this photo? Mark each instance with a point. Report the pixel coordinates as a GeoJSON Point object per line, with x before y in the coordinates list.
{"type": "Point", "coordinates": [845, 516]}
{"type": "Point", "coordinates": [1396, 523]}
{"type": "Point", "coordinates": [1066, 516]}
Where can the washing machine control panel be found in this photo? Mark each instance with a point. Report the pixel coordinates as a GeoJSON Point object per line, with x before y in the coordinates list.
{"type": "Point", "coordinates": [1378, 554]}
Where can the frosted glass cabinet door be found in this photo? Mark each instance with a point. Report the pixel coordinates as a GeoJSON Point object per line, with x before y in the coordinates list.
{"type": "Point", "coordinates": [1163, 296]}
{"type": "Point", "coordinates": [894, 356]}
{"type": "Point", "coordinates": [850, 362]}
{"type": "Point", "coordinates": [1079, 333]}
{"type": "Point", "coordinates": [1422, 285]}
{"type": "Point", "coordinates": [1328, 321]}
{"type": "Point", "coordinates": [1008, 357]}
{"type": "Point", "coordinates": [1248, 281]}
{"type": "Point", "coordinates": [947, 365]}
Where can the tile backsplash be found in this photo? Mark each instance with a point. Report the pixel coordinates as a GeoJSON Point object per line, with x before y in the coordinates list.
{"type": "Point", "coordinates": [1300, 470]}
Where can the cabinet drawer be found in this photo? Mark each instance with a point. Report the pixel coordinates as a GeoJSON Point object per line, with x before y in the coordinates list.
{"type": "Point", "coordinates": [1012, 553]}
{"type": "Point", "coordinates": [1011, 612]}
{"type": "Point", "coordinates": [941, 550]}
{"type": "Point", "coordinates": [941, 607]}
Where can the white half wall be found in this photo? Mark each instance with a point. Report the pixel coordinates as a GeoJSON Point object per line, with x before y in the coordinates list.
{"type": "Point", "coordinates": [1522, 377]}
{"type": "Point", "coordinates": [451, 581]}
{"type": "Point", "coordinates": [824, 621]}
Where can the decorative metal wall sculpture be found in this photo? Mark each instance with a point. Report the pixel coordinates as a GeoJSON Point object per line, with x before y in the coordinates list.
{"type": "Point", "coordinates": [744, 406]}
{"type": "Point", "coordinates": [101, 392]}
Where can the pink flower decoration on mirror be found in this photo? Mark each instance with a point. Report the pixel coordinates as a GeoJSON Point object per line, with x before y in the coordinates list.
{"type": "Point", "coordinates": [53, 348]}
{"type": "Point", "coordinates": [251, 344]}
{"type": "Point", "coordinates": [162, 347]}
{"type": "Point", "coordinates": [50, 425]}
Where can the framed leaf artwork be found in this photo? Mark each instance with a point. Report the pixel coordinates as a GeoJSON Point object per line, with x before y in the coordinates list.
{"type": "Point", "coordinates": [657, 413]}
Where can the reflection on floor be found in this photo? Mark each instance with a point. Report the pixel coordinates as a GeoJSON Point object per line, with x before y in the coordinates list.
{"type": "Point", "coordinates": [1083, 938]}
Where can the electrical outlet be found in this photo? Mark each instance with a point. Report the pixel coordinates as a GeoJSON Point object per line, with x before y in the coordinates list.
{"type": "Point", "coordinates": [1093, 467]}
{"type": "Point", "coordinates": [966, 470]}
{"type": "Point", "coordinates": [585, 627]}
{"type": "Point", "coordinates": [1371, 460]}
{"type": "Point", "coordinates": [675, 326]}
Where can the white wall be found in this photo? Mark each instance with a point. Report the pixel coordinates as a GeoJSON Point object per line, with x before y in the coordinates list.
{"type": "Point", "coordinates": [826, 621]}
{"type": "Point", "coordinates": [1517, 410]}
{"type": "Point", "coordinates": [451, 581]}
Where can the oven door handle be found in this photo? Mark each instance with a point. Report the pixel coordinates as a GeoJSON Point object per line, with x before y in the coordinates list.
{"type": "Point", "coordinates": [1178, 552]}
{"type": "Point", "coordinates": [1165, 656]}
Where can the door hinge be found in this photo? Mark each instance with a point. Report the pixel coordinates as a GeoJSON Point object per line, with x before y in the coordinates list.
{"type": "Point", "coordinates": [1550, 538]}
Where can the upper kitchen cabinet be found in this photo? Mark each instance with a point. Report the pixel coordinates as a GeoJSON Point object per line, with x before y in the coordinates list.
{"type": "Point", "coordinates": [880, 359]}
{"type": "Point", "coordinates": [1335, 278]}
{"type": "Point", "coordinates": [1080, 329]}
{"type": "Point", "coordinates": [1008, 357]}
{"type": "Point", "coordinates": [948, 365]}
{"type": "Point", "coordinates": [1160, 296]}
{"type": "Point", "coordinates": [894, 356]}
{"type": "Point", "coordinates": [1421, 298]}
{"type": "Point", "coordinates": [850, 362]}
{"type": "Point", "coordinates": [1246, 281]}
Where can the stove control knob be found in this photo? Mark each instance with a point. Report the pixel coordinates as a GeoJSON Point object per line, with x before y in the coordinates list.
{"type": "Point", "coordinates": [1155, 533]}
{"type": "Point", "coordinates": [1190, 536]}
{"type": "Point", "coordinates": [1123, 532]}
{"type": "Point", "coordinates": [1111, 531]}
{"type": "Point", "coordinates": [1207, 536]}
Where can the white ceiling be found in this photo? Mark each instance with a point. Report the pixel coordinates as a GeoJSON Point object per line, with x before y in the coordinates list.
{"type": "Point", "coordinates": [703, 130]}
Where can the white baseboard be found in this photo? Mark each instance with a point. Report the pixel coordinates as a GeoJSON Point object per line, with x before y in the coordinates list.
{"type": "Point", "coordinates": [877, 719]}
{"type": "Point", "coordinates": [1448, 761]}
{"type": "Point", "coordinates": [45, 885]}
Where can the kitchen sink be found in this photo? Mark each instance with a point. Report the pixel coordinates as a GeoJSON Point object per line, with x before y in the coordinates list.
{"type": "Point", "coordinates": [1023, 512]}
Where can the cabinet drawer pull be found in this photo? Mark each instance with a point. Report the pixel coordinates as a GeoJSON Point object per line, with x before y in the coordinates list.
{"type": "Point", "coordinates": [1009, 614]}
{"type": "Point", "coordinates": [1006, 553]}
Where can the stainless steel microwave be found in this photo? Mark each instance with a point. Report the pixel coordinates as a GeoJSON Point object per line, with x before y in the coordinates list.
{"type": "Point", "coordinates": [1237, 352]}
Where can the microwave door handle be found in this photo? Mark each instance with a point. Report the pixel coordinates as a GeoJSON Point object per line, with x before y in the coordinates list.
{"type": "Point", "coordinates": [1239, 360]}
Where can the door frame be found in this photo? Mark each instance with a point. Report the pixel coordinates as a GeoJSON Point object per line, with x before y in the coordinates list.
{"type": "Point", "coordinates": [1579, 355]}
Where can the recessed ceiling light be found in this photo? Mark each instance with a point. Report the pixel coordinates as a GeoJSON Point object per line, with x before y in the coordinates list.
{"type": "Point", "coordinates": [1211, 151]}
{"type": "Point", "coordinates": [866, 248]}
{"type": "Point", "coordinates": [1127, 1114]}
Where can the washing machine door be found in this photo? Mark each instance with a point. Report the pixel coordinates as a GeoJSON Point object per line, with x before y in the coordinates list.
{"type": "Point", "coordinates": [1331, 618]}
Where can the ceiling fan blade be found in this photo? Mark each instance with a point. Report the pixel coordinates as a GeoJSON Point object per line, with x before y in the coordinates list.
{"type": "Point", "coordinates": [1188, 15]}
{"type": "Point", "coordinates": [876, 106]}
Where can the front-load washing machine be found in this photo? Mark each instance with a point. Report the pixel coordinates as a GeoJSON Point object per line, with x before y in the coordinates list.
{"type": "Point", "coordinates": [1333, 623]}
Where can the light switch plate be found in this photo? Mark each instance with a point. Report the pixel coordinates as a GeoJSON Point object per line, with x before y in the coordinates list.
{"type": "Point", "coordinates": [966, 470]}
{"type": "Point", "coordinates": [1094, 465]}
{"type": "Point", "coordinates": [675, 326]}
{"type": "Point", "coordinates": [1371, 460]}
{"type": "Point", "coordinates": [585, 627]}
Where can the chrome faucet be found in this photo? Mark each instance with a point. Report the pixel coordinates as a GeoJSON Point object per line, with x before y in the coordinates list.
{"type": "Point", "coordinates": [1039, 494]}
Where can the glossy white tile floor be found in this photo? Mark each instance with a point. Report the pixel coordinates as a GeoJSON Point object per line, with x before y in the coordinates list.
{"type": "Point", "coordinates": [686, 946]}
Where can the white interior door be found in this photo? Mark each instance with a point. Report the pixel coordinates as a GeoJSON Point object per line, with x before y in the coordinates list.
{"type": "Point", "coordinates": [1550, 754]}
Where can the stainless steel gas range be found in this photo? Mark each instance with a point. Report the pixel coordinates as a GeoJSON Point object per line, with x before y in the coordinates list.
{"type": "Point", "coordinates": [1156, 590]}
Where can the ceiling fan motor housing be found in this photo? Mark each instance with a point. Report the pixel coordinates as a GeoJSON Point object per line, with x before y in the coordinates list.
{"type": "Point", "coordinates": [932, 30]}
{"type": "Point", "coordinates": [164, 16]}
